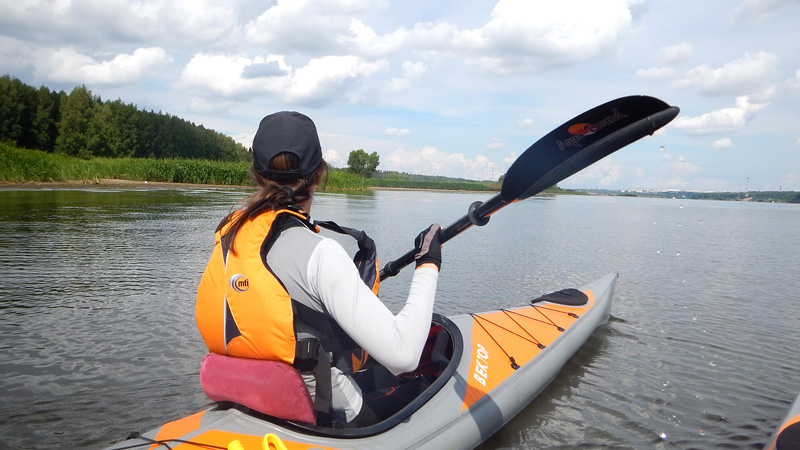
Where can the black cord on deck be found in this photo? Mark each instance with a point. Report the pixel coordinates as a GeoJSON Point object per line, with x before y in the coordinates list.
{"type": "Point", "coordinates": [514, 364]}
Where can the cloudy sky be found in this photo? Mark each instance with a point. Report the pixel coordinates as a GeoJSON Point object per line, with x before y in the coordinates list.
{"type": "Point", "coordinates": [454, 88]}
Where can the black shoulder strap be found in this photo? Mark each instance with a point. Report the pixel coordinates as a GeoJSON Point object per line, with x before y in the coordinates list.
{"type": "Point", "coordinates": [367, 256]}
{"type": "Point", "coordinates": [283, 222]}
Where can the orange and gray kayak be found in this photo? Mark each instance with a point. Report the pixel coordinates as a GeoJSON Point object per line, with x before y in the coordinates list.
{"type": "Point", "coordinates": [483, 368]}
{"type": "Point", "coordinates": [787, 435]}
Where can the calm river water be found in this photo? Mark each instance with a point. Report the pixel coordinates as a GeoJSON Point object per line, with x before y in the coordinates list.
{"type": "Point", "coordinates": [97, 309]}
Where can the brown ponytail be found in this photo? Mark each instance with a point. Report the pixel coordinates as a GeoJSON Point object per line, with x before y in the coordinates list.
{"type": "Point", "coordinates": [273, 195]}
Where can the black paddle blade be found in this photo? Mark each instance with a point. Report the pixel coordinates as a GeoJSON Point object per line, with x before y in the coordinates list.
{"type": "Point", "coordinates": [569, 297]}
{"type": "Point", "coordinates": [582, 141]}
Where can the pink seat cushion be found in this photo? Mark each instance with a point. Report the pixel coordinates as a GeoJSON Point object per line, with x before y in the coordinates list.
{"type": "Point", "coordinates": [270, 387]}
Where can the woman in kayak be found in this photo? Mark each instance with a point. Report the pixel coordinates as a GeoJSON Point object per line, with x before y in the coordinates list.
{"type": "Point", "coordinates": [275, 289]}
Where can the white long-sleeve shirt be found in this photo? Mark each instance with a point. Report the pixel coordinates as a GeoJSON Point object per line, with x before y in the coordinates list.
{"type": "Point", "coordinates": [317, 272]}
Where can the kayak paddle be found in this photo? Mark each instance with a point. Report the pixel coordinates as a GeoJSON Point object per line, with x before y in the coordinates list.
{"type": "Point", "coordinates": [573, 146]}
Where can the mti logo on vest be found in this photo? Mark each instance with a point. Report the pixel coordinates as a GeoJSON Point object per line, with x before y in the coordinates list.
{"type": "Point", "coordinates": [239, 283]}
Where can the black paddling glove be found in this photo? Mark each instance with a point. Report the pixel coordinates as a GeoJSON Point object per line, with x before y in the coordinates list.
{"type": "Point", "coordinates": [428, 248]}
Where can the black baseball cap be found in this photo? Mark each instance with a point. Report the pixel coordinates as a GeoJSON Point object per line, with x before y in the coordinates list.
{"type": "Point", "coordinates": [286, 132]}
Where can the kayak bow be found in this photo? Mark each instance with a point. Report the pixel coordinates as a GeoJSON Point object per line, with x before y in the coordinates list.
{"type": "Point", "coordinates": [787, 435]}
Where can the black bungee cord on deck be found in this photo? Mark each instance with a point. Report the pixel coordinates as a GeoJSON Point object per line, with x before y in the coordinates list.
{"type": "Point", "coordinates": [514, 364]}
{"type": "Point", "coordinates": [532, 339]}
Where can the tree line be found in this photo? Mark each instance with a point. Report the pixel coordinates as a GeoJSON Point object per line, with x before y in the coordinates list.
{"type": "Point", "coordinates": [81, 124]}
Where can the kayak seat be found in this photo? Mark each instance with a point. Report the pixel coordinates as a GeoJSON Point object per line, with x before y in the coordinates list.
{"type": "Point", "coordinates": [269, 387]}
{"type": "Point", "coordinates": [385, 394]}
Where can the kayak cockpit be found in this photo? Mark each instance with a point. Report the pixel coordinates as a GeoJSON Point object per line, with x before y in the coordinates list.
{"type": "Point", "coordinates": [440, 358]}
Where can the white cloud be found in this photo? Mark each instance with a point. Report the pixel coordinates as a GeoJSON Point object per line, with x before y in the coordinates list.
{"type": "Point", "coordinates": [397, 131]}
{"type": "Point", "coordinates": [411, 73]}
{"type": "Point", "coordinates": [722, 120]}
{"type": "Point", "coordinates": [682, 167]}
{"type": "Point", "coordinates": [737, 77]}
{"type": "Point", "coordinates": [793, 84]}
{"type": "Point", "coordinates": [15, 55]}
{"type": "Point", "coordinates": [367, 42]}
{"type": "Point", "coordinates": [603, 173]}
{"type": "Point", "coordinates": [67, 65]}
{"type": "Point", "coordinates": [734, 77]}
{"type": "Point", "coordinates": [311, 27]}
{"type": "Point", "coordinates": [432, 161]}
{"type": "Point", "coordinates": [324, 79]}
{"type": "Point", "coordinates": [338, 56]}
{"type": "Point", "coordinates": [722, 143]}
{"type": "Point", "coordinates": [222, 75]}
{"type": "Point", "coordinates": [677, 53]}
{"type": "Point", "coordinates": [100, 23]}
{"type": "Point", "coordinates": [321, 81]}
{"type": "Point", "coordinates": [510, 159]}
{"type": "Point", "coordinates": [525, 123]}
{"type": "Point", "coordinates": [431, 36]}
{"type": "Point", "coordinates": [333, 158]}
{"type": "Point", "coordinates": [679, 174]}
{"type": "Point", "coordinates": [607, 173]}
{"type": "Point", "coordinates": [244, 138]}
{"type": "Point", "coordinates": [524, 35]}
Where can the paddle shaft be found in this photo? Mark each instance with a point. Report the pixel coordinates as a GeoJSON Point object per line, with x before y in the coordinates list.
{"type": "Point", "coordinates": [480, 213]}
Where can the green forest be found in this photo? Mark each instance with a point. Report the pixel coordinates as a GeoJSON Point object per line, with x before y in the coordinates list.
{"type": "Point", "coordinates": [48, 136]}
{"type": "Point", "coordinates": [82, 125]}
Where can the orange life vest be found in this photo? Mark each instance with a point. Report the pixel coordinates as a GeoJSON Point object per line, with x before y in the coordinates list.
{"type": "Point", "coordinates": [243, 310]}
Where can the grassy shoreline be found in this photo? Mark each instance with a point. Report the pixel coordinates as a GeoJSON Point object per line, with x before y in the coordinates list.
{"type": "Point", "coordinates": [110, 183]}
{"type": "Point", "coordinates": [23, 167]}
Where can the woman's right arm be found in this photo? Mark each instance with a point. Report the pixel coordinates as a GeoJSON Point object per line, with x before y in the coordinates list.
{"type": "Point", "coordinates": [395, 341]}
